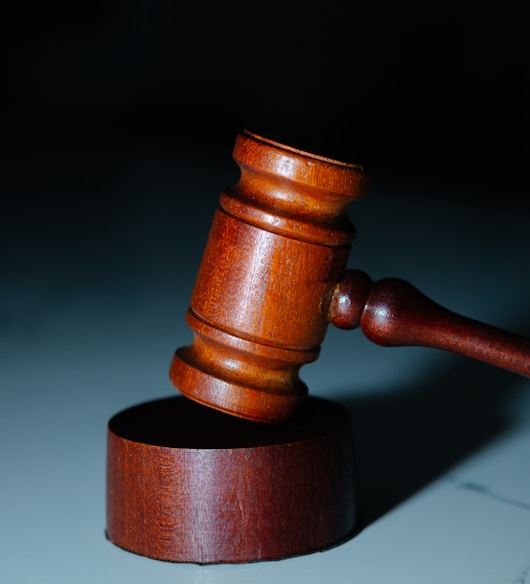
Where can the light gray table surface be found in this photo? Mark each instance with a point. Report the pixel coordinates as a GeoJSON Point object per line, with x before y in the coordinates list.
{"type": "Point", "coordinates": [92, 305]}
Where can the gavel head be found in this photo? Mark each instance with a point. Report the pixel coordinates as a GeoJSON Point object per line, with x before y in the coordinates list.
{"type": "Point", "coordinates": [278, 246]}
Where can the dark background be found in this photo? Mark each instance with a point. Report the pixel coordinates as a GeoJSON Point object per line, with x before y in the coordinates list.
{"type": "Point", "coordinates": [434, 90]}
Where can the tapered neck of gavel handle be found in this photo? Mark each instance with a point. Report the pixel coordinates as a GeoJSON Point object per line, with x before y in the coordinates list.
{"type": "Point", "coordinates": [392, 312]}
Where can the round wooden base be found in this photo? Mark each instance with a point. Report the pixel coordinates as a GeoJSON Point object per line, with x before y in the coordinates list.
{"type": "Point", "coordinates": [186, 483]}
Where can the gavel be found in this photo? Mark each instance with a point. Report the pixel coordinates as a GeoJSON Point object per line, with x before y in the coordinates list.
{"type": "Point", "coordinates": [187, 483]}
{"type": "Point", "coordinates": [273, 276]}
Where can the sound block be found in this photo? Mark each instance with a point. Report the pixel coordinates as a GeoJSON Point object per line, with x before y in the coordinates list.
{"type": "Point", "coordinates": [186, 483]}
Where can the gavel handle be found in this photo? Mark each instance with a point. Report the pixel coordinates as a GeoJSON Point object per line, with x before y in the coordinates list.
{"type": "Point", "coordinates": [392, 312]}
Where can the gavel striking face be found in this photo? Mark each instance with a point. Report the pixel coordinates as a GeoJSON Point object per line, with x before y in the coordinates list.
{"type": "Point", "coordinates": [273, 276]}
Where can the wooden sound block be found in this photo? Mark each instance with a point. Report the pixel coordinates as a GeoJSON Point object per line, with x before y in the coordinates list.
{"type": "Point", "coordinates": [186, 483]}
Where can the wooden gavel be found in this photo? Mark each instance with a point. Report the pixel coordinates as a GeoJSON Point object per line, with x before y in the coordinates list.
{"type": "Point", "coordinates": [273, 276]}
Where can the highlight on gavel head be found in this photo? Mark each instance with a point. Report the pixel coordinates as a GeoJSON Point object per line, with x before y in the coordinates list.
{"type": "Point", "coordinates": [279, 244]}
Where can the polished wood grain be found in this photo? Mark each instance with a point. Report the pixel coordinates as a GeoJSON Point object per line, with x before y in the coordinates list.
{"type": "Point", "coordinates": [273, 277]}
{"type": "Point", "coordinates": [186, 483]}
{"type": "Point", "coordinates": [278, 245]}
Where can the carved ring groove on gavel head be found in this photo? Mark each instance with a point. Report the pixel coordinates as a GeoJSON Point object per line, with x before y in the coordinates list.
{"type": "Point", "coordinates": [278, 245]}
